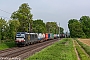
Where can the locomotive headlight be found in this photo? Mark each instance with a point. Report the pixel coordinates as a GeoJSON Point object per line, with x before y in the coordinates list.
{"type": "Point", "coordinates": [22, 40]}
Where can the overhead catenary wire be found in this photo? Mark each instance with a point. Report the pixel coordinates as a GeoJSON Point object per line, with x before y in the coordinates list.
{"type": "Point", "coordinates": [5, 11]}
{"type": "Point", "coordinates": [4, 16]}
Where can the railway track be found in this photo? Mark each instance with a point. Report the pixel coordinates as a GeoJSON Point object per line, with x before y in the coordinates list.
{"type": "Point", "coordinates": [27, 51]}
{"type": "Point", "coordinates": [10, 49]}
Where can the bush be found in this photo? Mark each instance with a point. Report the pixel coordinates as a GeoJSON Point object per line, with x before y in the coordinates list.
{"type": "Point", "coordinates": [6, 45]}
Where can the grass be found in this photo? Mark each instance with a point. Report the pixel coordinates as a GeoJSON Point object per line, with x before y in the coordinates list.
{"type": "Point", "coordinates": [85, 47]}
{"type": "Point", "coordinates": [81, 53]}
{"type": "Point", "coordinates": [7, 45]}
{"type": "Point", "coordinates": [62, 50]}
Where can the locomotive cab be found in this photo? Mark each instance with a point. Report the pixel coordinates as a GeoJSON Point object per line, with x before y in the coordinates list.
{"type": "Point", "coordinates": [20, 38]}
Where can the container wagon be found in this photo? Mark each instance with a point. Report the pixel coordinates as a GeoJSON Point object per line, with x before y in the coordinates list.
{"type": "Point", "coordinates": [41, 37]}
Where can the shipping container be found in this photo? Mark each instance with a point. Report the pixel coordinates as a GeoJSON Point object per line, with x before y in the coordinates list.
{"type": "Point", "coordinates": [51, 36]}
{"type": "Point", "coordinates": [46, 36]}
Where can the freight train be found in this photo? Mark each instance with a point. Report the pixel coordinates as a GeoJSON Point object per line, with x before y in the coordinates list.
{"type": "Point", "coordinates": [24, 38]}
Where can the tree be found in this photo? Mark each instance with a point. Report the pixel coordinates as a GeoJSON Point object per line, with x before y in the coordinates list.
{"type": "Point", "coordinates": [39, 26]}
{"type": "Point", "coordinates": [75, 29]}
{"type": "Point", "coordinates": [52, 27]}
{"type": "Point", "coordinates": [85, 22]}
{"type": "Point", "coordinates": [3, 27]}
{"type": "Point", "coordinates": [13, 27]}
{"type": "Point", "coordinates": [61, 30]}
{"type": "Point", "coordinates": [24, 16]}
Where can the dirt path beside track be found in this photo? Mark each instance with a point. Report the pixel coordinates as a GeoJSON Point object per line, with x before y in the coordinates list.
{"type": "Point", "coordinates": [76, 51]}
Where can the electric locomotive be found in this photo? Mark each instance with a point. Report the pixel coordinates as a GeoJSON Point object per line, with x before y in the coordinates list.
{"type": "Point", "coordinates": [24, 38]}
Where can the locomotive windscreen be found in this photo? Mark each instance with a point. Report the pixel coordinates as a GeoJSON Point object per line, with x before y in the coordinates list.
{"type": "Point", "coordinates": [20, 35]}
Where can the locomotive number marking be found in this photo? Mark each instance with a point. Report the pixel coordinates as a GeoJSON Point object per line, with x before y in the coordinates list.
{"type": "Point", "coordinates": [28, 37]}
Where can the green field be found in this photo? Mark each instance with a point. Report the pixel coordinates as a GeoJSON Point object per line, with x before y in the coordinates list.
{"type": "Point", "coordinates": [7, 45]}
{"type": "Point", "coordinates": [62, 50]}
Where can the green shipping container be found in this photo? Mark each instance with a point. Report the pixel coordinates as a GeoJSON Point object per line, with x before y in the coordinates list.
{"type": "Point", "coordinates": [51, 35]}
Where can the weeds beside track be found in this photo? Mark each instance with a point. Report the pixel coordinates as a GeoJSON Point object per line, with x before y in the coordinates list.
{"type": "Point", "coordinates": [6, 45]}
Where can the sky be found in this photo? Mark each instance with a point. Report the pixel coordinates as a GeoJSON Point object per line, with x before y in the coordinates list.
{"type": "Point", "coordinates": [60, 11]}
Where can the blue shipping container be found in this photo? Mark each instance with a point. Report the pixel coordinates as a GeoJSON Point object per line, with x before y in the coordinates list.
{"type": "Point", "coordinates": [49, 36]}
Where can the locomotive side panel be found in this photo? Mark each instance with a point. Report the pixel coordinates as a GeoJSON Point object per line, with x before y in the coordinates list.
{"type": "Point", "coordinates": [33, 38]}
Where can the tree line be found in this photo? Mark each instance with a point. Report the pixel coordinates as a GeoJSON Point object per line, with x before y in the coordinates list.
{"type": "Point", "coordinates": [79, 28]}
{"type": "Point", "coordinates": [22, 21]}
